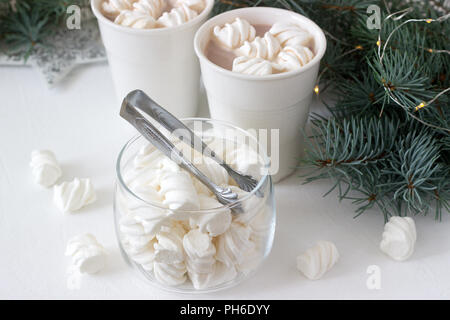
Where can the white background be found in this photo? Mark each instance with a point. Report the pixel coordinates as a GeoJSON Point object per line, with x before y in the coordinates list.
{"type": "Point", "coordinates": [79, 121]}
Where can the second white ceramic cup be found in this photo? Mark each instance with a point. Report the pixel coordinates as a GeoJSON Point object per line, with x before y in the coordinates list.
{"type": "Point", "coordinates": [161, 62]}
{"type": "Point", "coordinates": [278, 101]}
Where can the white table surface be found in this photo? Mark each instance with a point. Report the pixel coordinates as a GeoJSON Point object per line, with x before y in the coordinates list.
{"type": "Point", "coordinates": [79, 121]}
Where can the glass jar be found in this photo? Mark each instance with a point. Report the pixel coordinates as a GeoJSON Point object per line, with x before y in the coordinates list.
{"type": "Point", "coordinates": [196, 250]}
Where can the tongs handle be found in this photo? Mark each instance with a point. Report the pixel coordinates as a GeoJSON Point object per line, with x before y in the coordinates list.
{"type": "Point", "coordinates": [129, 111]}
{"type": "Point", "coordinates": [172, 124]}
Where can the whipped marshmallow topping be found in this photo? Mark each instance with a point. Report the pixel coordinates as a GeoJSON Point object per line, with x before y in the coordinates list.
{"type": "Point", "coordinates": [316, 261]}
{"type": "Point", "coordinates": [150, 14]}
{"type": "Point", "coordinates": [233, 35]}
{"type": "Point", "coordinates": [135, 19]}
{"type": "Point", "coordinates": [285, 47]}
{"type": "Point", "coordinates": [112, 8]}
{"type": "Point", "coordinates": [72, 196]}
{"type": "Point", "coordinates": [153, 8]}
{"type": "Point", "coordinates": [290, 34]}
{"type": "Point", "coordinates": [294, 57]}
{"type": "Point", "coordinates": [45, 168]}
{"type": "Point", "coordinates": [267, 47]}
{"type": "Point", "coordinates": [177, 16]}
{"type": "Point", "coordinates": [87, 255]}
{"type": "Point", "coordinates": [175, 240]}
{"type": "Point", "coordinates": [399, 238]}
{"type": "Point", "coordinates": [253, 66]}
{"type": "Point", "coordinates": [197, 5]}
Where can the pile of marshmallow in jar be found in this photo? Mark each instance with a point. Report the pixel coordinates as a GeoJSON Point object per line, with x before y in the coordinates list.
{"type": "Point", "coordinates": [178, 233]}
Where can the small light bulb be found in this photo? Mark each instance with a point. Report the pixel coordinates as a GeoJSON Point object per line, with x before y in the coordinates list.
{"type": "Point", "coordinates": [316, 89]}
{"type": "Point", "coordinates": [420, 106]}
{"type": "Point", "coordinates": [359, 47]}
{"type": "Point", "coordinates": [378, 43]}
{"type": "Point", "coordinates": [429, 20]}
{"type": "Point", "coordinates": [430, 50]}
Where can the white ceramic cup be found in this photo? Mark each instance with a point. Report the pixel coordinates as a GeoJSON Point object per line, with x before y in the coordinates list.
{"type": "Point", "coordinates": [278, 101]}
{"type": "Point", "coordinates": [161, 62]}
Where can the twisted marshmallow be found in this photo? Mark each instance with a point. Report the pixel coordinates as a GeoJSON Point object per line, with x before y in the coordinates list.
{"type": "Point", "coordinates": [197, 5]}
{"type": "Point", "coordinates": [264, 48]}
{"type": "Point", "coordinates": [213, 223]}
{"type": "Point", "coordinates": [200, 261]}
{"type": "Point", "coordinates": [178, 191]}
{"type": "Point", "coordinates": [399, 238]}
{"type": "Point", "coordinates": [176, 16]}
{"type": "Point", "coordinates": [254, 66]}
{"type": "Point", "coordinates": [294, 57]}
{"type": "Point", "coordinates": [45, 168]}
{"type": "Point", "coordinates": [233, 35]}
{"type": "Point", "coordinates": [135, 19]}
{"type": "Point", "coordinates": [316, 261]}
{"type": "Point", "coordinates": [112, 8]}
{"type": "Point", "coordinates": [87, 254]}
{"type": "Point", "coordinates": [169, 266]}
{"type": "Point", "coordinates": [72, 196]}
{"type": "Point", "coordinates": [153, 8]}
{"type": "Point", "coordinates": [290, 34]}
{"type": "Point", "coordinates": [234, 247]}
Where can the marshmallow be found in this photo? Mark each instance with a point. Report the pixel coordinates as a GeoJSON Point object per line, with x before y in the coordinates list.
{"type": "Point", "coordinates": [215, 222]}
{"type": "Point", "coordinates": [267, 47]}
{"type": "Point", "coordinates": [72, 196]}
{"type": "Point", "coordinates": [176, 16]}
{"type": "Point", "coordinates": [88, 256]}
{"type": "Point", "coordinates": [316, 261]}
{"type": "Point", "coordinates": [45, 168]}
{"type": "Point", "coordinates": [399, 238]}
{"type": "Point", "coordinates": [233, 35]}
{"type": "Point", "coordinates": [289, 34]}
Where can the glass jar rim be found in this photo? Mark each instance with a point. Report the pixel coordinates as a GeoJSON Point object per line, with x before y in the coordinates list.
{"type": "Point", "coordinates": [262, 181]}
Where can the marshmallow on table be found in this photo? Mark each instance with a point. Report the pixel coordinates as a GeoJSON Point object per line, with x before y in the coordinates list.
{"type": "Point", "coordinates": [316, 261]}
{"type": "Point", "coordinates": [72, 196]}
{"type": "Point", "coordinates": [87, 254]}
{"type": "Point", "coordinates": [399, 238]}
{"type": "Point", "coordinates": [45, 168]}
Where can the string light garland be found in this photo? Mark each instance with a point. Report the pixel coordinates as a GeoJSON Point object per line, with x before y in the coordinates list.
{"type": "Point", "coordinates": [381, 51]}
{"type": "Point", "coordinates": [396, 16]}
{"type": "Point", "coordinates": [316, 89]}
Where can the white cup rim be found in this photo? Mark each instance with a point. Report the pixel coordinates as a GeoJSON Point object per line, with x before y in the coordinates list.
{"type": "Point", "coordinates": [320, 39]}
{"type": "Point", "coordinates": [95, 5]}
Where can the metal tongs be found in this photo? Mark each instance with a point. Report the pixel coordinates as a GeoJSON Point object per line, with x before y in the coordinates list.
{"type": "Point", "coordinates": [137, 101]}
